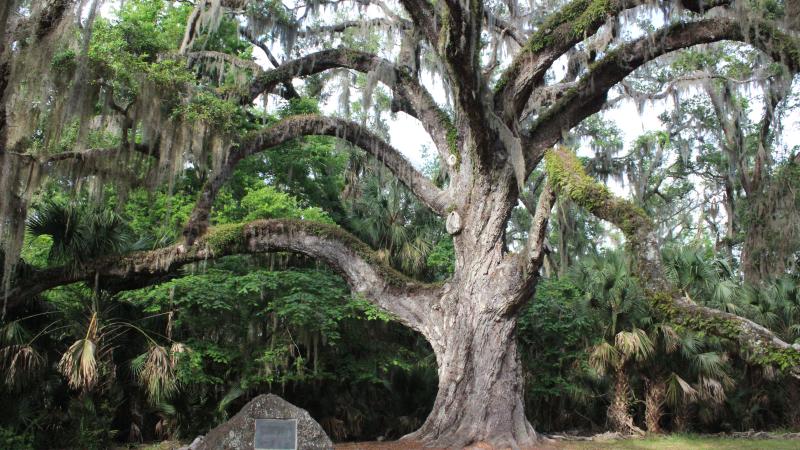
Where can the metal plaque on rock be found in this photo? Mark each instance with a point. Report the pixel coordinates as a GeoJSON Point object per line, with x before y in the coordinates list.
{"type": "Point", "coordinates": [275, 434]}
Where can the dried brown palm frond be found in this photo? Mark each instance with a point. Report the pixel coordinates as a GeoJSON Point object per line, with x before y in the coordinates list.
{"type": "Point", "coordinates": [711, 390]}
{"type": "Point", "coordinates": [155, 371]}
{"type": "Point", "coordinates": [603, 356]}
{"type": "Point", "coordinates": [679, 390]}
{"type": "Point", "coordinates": [634, 344]}
{"type": "Point", "coordinates": [79, 362]}
{"type": "Point", "coordinates": [19, 363]}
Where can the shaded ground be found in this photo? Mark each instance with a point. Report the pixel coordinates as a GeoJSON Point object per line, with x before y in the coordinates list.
{"type": "Point", "coordinates": [672, 442]}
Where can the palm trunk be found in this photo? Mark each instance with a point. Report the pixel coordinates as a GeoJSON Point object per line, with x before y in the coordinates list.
{"type": "Point", "coordinates": [619, 414]}
{"type": "Point", "coordinates": [681, 421]}
{"type": "Point", "coordinates": [654, 403]}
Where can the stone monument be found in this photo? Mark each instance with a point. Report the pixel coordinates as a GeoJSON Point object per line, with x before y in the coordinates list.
{"type": "Point", "coordinates": [267, 422]}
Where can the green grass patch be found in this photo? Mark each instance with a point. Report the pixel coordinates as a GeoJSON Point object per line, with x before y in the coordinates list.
{"type": "Point", "coordinates": [684, 442]}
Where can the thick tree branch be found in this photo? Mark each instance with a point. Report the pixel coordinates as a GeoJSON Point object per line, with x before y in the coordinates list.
{"type": "Point", "coordinates": [221, 56]}
{"type": "Point", "coordinates": [299, 126]}
{"type": "Point", "coordinates": [288, 87]}
{"type": "Point", "coordinates": [559, 32]}
{"type": "Point", "coordinates": [568, 178]}
{"type": "Point", "coordinates": [563, 29]}
{"type": "Point", "coordinates": [534, 252]}
{"type": "Point", "coordinates": [405, 298]}
{"type": "Point", "coordinates": [363, 24]}
{"type": "Point", "coordinates": [88, 155]}
{"type": "Point", "coordinates": [422, 14]}
{"type": "Point", "coordinates": [414, 95]}
{"type": "Point", "coordinates": [505, 28]}
{"type": "Point", "coordinates": [459, 47]}
{"type": "Point", "coordinates": [590, 93]}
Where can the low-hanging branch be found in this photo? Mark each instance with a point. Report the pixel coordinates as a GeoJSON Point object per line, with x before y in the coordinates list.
{"type": "Point", "coordinates": [567, 176]}
{"type": "Point", "coordinates": [313, 125]}
{"type": "Point", "coordinates": [363, 270]}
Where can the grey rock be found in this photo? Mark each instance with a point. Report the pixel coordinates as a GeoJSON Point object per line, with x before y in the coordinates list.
{"type": "Point", "coordinates": [238, 432]}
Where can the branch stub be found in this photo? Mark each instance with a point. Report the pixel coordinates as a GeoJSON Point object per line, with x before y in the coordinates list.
{"type": "Point", "coordinates": [453, 223]}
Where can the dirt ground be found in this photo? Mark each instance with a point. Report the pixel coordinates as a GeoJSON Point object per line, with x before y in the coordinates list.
{"type": "Point", "coordinates": [411, 445]}
{"type": "Point", "coordinates": [664, 442]}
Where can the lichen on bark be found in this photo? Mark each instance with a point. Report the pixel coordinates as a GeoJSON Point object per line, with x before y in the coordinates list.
{"type": "Point", "coordinates": [567, 176]}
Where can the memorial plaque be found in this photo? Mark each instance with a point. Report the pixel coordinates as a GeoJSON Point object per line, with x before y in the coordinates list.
{"type": "Point", "coordinates": [275, 434]}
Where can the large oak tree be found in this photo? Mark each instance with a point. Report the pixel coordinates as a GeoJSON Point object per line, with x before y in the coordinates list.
{"type": "Point", "coordinates": [505, 120]}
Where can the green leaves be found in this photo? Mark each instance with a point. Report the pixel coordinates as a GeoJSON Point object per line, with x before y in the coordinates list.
{"type": "Point", "coordinates": [79, 234]}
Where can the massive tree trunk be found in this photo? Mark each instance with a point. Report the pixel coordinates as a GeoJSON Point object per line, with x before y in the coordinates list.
{"type": "Point", "coordinates": [480, 397]}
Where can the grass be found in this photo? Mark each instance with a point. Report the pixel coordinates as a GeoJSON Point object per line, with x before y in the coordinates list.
{"type": "Point", "coordinates": [684, 442]}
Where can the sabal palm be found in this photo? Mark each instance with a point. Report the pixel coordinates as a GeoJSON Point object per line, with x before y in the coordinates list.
{"type": "Point", "coordinates": [79, 233]}
{"type": "Point", "coordinates": [617, 301]}
{"type": "Point", "coordinates": [687, 368]}
{"type": "Point", "coordinates": [391, 220]}
{"type": "Point", "coordinates": [693, 368]}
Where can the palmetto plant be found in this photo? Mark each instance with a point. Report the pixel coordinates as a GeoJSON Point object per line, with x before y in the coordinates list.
{"type": "Point", "coordinates": [19, 360]}
{"type": "Point", "coordinates": [389, 218]}
{"type": "Point", "coordinates": [79, 233]}
{"type": "Point", "coordinates": [616, 299]}
{"type": "Point", "coordinates": [88, 361]}
{"type": "Point", "coordinates": [704, 277]}
{"type": "Point", "coordinates": [687, 369]}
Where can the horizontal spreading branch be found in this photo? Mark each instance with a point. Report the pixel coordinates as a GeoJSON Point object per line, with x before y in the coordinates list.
{"type": "Point", "coordinates": [369, 24]}
{"type": "Point", "coordinates": [88, 155]}
{"type": "Point", "coordinates": [568, 178]}
{"type": "Point", "coordinates": [589, 95]}
{"type": "Point", "coordinates": [363, 270]}
{"type": "Point", "coordinates": [435, 121]}
{"type": "Point", "coordinates": [221, 56]}
{"type": "Point", "coordinates": [313, 125]}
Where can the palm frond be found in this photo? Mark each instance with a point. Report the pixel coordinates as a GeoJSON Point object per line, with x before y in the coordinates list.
{"type": "Point", "coordinates": [634, 344]}
{"type": "Point", "coordinates": [603, 356]}
{"type": "Point", "coordinates": [679, 390]}
{"type": "Point", "coordinates": [19, 363]}
{"type": "Point", "coordinates": [79, 364]}
{"type": "Point", "coordinates": [155, 371]}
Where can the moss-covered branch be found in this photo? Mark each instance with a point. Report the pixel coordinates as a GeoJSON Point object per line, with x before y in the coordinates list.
{"type": "Point", "coordinates": [364, 271]}
{"type": "Point", "coordinates": [565, 173]}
